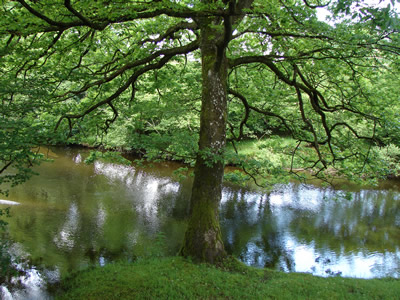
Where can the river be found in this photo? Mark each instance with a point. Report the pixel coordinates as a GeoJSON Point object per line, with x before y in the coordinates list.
{"type": "Point", "coordinates": [75, 215]}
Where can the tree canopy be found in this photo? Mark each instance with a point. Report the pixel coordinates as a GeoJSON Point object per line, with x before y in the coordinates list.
{"type": "Point", "coordinates": [161, 75]}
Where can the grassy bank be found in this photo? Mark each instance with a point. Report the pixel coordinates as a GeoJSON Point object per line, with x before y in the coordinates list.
{"type": "Point", "coordinates": [177, 278]}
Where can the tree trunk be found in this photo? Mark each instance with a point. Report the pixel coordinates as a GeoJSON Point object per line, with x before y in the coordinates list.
{"type": "Point", "coordinates": [203, 241]}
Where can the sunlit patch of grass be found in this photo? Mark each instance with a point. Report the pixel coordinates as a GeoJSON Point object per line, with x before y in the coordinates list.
{"type": "Point", "coordinates": [264, 161]}
{"type": "Point", "coordinates": [276, 150]}
{"type": "Point", "coordinates": [178, 278]}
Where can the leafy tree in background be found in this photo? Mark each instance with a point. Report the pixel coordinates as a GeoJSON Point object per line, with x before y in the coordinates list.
{"type": "Point", "coordinates": [67, 61]}
{"type": "Point", "coordinates": [20, 133]}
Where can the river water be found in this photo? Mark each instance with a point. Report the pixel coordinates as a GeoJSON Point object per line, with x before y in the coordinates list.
{"type": "Point", "coordinates": [75, 215]}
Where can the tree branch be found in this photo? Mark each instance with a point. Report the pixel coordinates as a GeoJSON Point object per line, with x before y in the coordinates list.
{"type": "Point", "coordinates": [164, 52]}
{"type": "Point", "coordinates": [171, 31]}
{"type": "Point", "coordinates": [85, 21]}
{"type": "Point", "coordinates": [168, 54]}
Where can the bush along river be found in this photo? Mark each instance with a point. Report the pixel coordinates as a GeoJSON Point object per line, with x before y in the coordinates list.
{"type": "Point", "coordinates": [76, 215]}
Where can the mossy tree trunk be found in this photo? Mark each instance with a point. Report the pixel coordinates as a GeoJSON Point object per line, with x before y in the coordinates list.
{"type": "Point", "coordinates": [203, 241]}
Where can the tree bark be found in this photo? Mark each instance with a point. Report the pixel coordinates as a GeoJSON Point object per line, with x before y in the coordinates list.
{"type": "Point", "coordinates": [203, 241]}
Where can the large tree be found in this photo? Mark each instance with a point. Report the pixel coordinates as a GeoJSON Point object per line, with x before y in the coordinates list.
{"type": "Point", "coordinates": [62, 61]}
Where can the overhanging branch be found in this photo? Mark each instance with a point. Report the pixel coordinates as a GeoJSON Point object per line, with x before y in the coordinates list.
{"type": "Point", "coordinates": [164, 52]}
{"type": "Point", "coordinates": [131, 81]}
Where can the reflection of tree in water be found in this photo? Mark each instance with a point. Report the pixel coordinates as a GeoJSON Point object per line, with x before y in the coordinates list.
{"type": "Point", "coordinates": [274, 230]}
{"type": "Point", "coordinates": [367, 220]}
{"type": "Point", "coordinates": [236, 223]}
{"type": "Point", "coordinates": [104, 255]}
{"type": "Point", "coordinates": [276, 255]}
{"type": "Point", "coordinates": [252, 233]}
{"type": "Point", "coordinates": [273, 243]}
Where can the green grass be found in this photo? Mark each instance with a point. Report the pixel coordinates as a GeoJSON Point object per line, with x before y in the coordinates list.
{"type": "Point", "coordinates": [274, 148]}
{"type": "Point", "coordinates": [272, 152]}
{"type": "Point", "coordinates": [177, 278]}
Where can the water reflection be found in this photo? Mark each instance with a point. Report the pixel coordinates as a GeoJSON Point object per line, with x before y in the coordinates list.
{"type": "Point", "coordinates": [74, 215]}
{"type": "Point", "coordinates": [66, 237]}
{"type": "Point", "coordinates": [144, 191]}
{"type": "Point", "coordinates": [325, 232]}
{"type": "Point", "coordinates": [31, 284]}
{"type": "Point", "coordinates": [33, 288]}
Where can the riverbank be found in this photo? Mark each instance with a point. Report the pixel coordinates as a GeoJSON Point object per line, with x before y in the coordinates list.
{"type": "Point", "coordinates": [272, 155]}
{"type": "Point", "coordinates": [178, 278]}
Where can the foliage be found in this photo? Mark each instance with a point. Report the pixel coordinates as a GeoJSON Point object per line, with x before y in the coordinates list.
{"type": "Point", "coordinates": [389, 160]}
{"type": "Point", "coordinates": [7, 261]}
{"type": "Point", "coordinates": [177, 278]}
{"type": "Point", "coordinates": [237, 177]}
{"type": "Point", "coordinates": [182, 173]}
{"type": "Point", "coordinates": [4, 212]}
{"type": "Point", "coordinates": [133, 81]}
{"type": "Point", "coordinates": [17, 155]}
{"type": "Point", "coordinates": [156, 76]}
{"type": "Point", "coordinates": [108, 156]}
